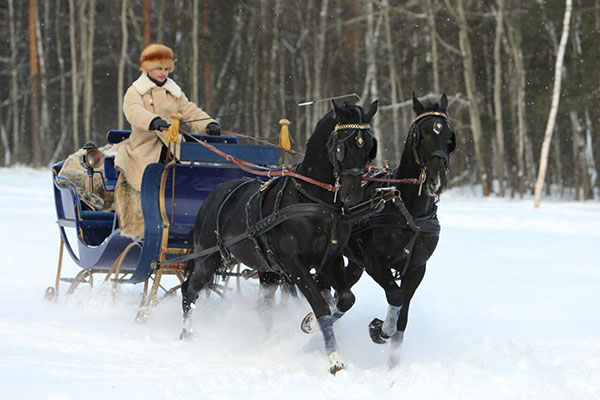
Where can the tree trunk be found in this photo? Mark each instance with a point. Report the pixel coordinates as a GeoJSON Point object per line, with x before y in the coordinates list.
{"type": "Point", "coordinates": [469, 76]}
{"type": "Point", "coordinates": [555, 101]}
{"type": "Point", "coordinates": [318, 64]}
{"type": "Point", "coordinates": [4, 139]}
{"type": "Point", "coordinates": [14, 90]}
{"type": "Point", "coordinates": [74, 77]}
{"type": "Point", "coordinates": [161, 22]}
{"type": "Point", "coordinates": [34, 77]}
{"type": "Point", "coordinates": [207, 59]}
{"type": "Point", "coordinates": [430, 6]}
{"type": "Point", "coordinates": [88, 96]}
{"type": "Point", "coordinates": [370, 88]}
{"type": "Point", "coordinates": [195, 57]}
{"type": "Point", "coordinates": [45, 118]}
{"type": "Point", "coordinates": [147, 32]}
{"type": "Point", "coordinates": [514, 40]}
{"type": "Point", "coordinates": [579, 159]}
{"type": "Point", "coordinates": [498, 98]}
{"type": "Point", "coordinates": [397, 142]}
{"type": "Point", "coordinates": [122, 59]}
{"type": "Point", "coordinates": [589, 151]}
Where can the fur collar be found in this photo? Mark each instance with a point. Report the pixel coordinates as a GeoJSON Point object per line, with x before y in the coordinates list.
{"type": "Point", "coordinates": [143, 85]}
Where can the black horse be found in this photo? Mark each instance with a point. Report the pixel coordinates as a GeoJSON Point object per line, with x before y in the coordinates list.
{"type": "Point", "coordinates": [396, 243]}
{"type": "Point", "coordinates": [287, 225]}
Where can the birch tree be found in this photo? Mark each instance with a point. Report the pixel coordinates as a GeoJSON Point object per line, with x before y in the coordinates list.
{"type": "Point", "coordinates": [555, 102]}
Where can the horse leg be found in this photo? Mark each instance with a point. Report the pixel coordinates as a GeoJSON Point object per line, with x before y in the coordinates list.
{"type": "Point", "coordinates": [410, 283]}
{"type": "Point", "coordinates": [344, 297]}
{"type": "Point", "coordinates": [269, 282]}
{"type": "Point", "coordinates": [201, 274]}
{"type": "Point", "coordinates": [381, 331]}
{"type": "Point", "coordinates": [311, 292]}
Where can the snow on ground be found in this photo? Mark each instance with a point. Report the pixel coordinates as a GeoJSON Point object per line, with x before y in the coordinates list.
{"type": "Point", "coordinates": [508, 309]}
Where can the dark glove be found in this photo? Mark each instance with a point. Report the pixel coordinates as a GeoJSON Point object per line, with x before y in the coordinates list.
{"type": "Point", "coordinates": [213, 129]}
{"type": "Point", "coordinates": [158, 124]}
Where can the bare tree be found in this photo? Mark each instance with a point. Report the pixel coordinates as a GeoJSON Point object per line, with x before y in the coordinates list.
{"type": "Point", "coordinates": [555, 101]}
{"type": "Point", "coordinates": [34, 77]}
{"type": "Point", "coordinates": [88, 92]}
{"type": "Point", "coordinates": [74, 77]}
{"type": "Point", "coordinates": [14, 100]}
{"type": "Point", "coordinates": [195, 61]}
{"type": "Point", "coordinates": [471, 89]}
{"type": "Point", "coordinates": [147, 32]}
{"type": "Point", "coordinates": [44, 122]}
{"type": "Point", "coordinates": [122, 60]}
{"type": "Point", "coordinates": [498, 97]}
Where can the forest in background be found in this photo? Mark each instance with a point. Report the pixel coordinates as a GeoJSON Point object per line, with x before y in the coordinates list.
{"type": "Point", "coordinates": [67, 63]}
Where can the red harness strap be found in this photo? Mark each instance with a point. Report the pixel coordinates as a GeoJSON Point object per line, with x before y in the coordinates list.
{"type": "Point", "coordinates": [255, 169]}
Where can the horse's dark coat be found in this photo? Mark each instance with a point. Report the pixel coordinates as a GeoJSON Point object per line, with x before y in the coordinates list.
{"type": "Point", "coordinates": [297, 245]}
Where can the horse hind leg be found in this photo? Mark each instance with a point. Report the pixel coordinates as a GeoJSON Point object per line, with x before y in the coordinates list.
{"type": "Point", "coordinates": [201, 274]}
{"type": "Point", "coordinates": [269, 281]}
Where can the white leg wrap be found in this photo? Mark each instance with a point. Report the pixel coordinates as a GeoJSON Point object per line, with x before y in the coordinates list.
{"type": "Point", "coordinates": [391, 320]}
{"type": "Point", "coordinates": [187, 324]}
{"type": "Point", "coordinates": [335, 362]}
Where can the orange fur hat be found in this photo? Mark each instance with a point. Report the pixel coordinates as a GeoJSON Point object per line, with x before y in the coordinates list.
{"type": "Point", "coordinates": [157, 56]}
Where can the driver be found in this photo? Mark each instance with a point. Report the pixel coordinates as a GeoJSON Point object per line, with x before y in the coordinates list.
{"type": "Point", "coordinates": [148, 105]}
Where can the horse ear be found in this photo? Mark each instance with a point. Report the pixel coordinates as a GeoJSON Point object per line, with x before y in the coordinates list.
{"type": "Point", "coordinates": [444, 103]}
{"type": "Point", "coordinates": [337, 110]}
{"type": "Point", "coordinates": [372, 111]}
{"type": "Point", "coordinates": [417, 106]}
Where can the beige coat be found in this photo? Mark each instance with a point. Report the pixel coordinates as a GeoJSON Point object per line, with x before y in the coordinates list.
{"type": "Point", "coordinates": [143, 102]}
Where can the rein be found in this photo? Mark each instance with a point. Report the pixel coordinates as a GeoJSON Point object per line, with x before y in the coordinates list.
{"type": "Point", "coordinates": [252, 168]}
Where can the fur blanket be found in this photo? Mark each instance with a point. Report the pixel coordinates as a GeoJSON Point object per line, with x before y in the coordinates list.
{"type": "Point", "coordinates": [99, 199]}
{"type": "Point", "coordinates": [128, 204]}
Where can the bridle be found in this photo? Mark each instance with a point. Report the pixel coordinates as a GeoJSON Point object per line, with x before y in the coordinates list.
{"type": "Point", "coordinates": [336, 152]}
{"type": "Point", "coordinates": [414, 130]}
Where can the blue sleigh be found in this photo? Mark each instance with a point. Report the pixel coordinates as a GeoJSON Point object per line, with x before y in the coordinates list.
{"type": "Point", "coordinates": [171, 196]}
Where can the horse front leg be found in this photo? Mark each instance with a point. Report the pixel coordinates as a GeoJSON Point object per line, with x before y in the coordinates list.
{"type": "Point", "coordinates": [344, 298]}
{"type": "Point", "coordinates": [322, 313]}
{"type": "Point", "coordinates": [381, 331]}
{"type": "Point", "coordinates": [410, 283]}
{"type": "Point", "coordinates": [201, 274]}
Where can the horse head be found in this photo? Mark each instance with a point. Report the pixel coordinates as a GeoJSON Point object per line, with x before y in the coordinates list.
{"type": "Point", "coordinates": [350, 147]}
{"type": "Point", "coordinates": [432, 140]}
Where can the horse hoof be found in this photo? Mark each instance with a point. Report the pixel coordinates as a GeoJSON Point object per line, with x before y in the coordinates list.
{"type": "Point", "coordinates": [336, 363]}
{"type": "Point", "coordinates": [185, 335]}
{"type": "Point", "coordinates": [375, 332]}
{"type": "Point", "coordinates": [309, 324]}
{"type": "Point", "coordinates": [50, 293]}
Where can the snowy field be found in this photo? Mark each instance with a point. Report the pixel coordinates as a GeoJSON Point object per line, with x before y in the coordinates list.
{"type": "Point", "coordinates": [508, 309]}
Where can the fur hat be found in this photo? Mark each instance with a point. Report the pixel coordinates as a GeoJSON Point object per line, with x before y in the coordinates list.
{"type": "Point", "coordinates": [157, 56]}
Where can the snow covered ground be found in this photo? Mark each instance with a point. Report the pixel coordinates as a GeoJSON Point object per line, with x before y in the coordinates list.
{"type": "Point", "coordinates": [508, 309]}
